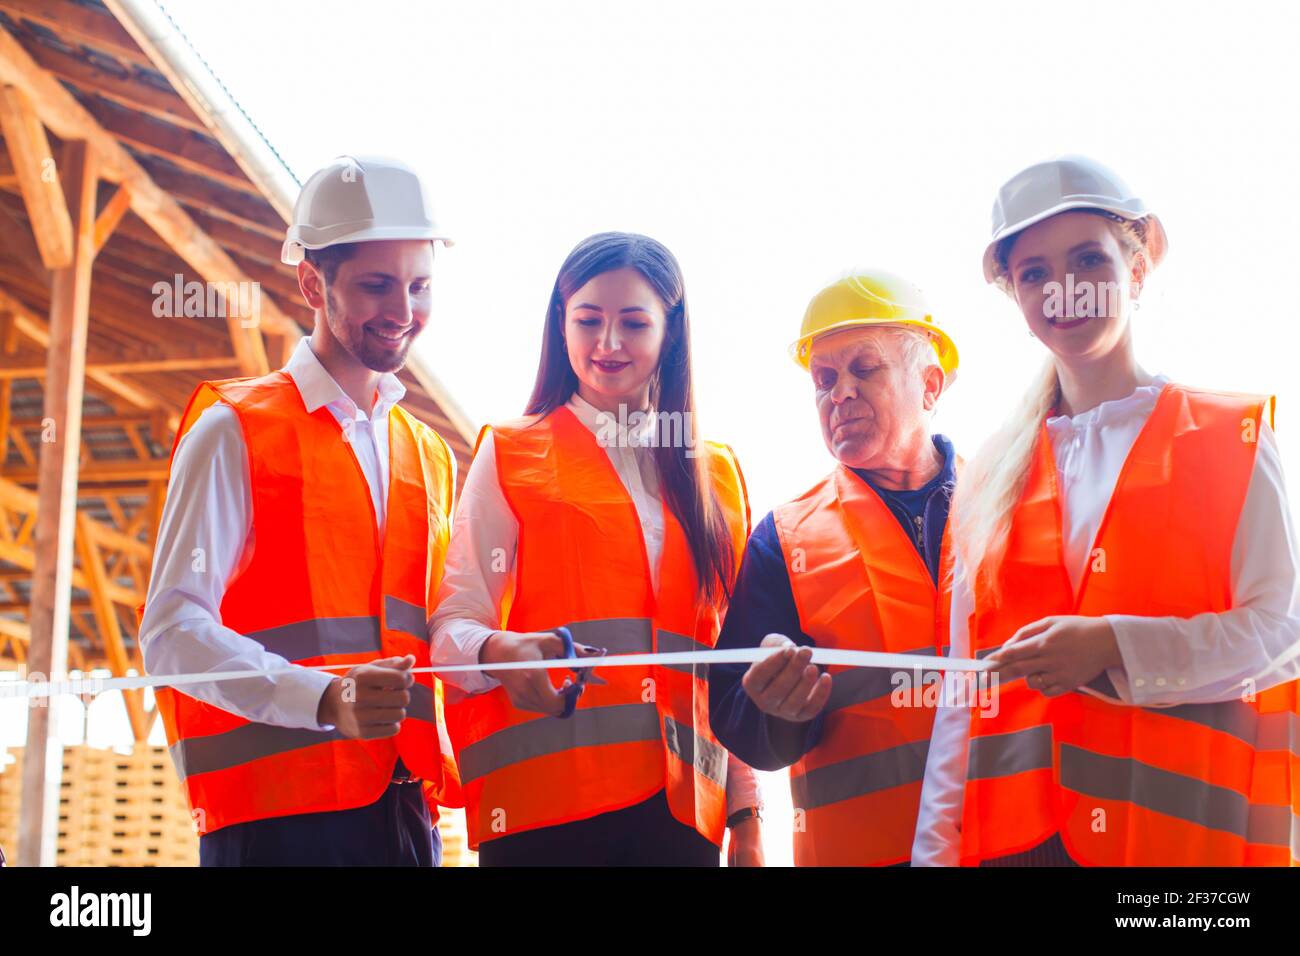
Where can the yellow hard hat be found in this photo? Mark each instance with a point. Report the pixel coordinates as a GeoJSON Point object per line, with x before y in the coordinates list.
{"type": "Point", "coordinates": [871, 297]}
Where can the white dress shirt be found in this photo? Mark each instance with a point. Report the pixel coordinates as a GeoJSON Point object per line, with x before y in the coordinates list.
{"type": "Point", "coordinates": [206, 537]}
{"type": "Point", "coordinates": [1166, 660]}
{"type": "Point", "coordinates": [481, 561]}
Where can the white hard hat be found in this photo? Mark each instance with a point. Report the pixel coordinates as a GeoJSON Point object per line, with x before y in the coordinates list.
{"type": "Point", "coordinates": [1066, 182]}
{"type": "Point", "coordinates": [359, 199]}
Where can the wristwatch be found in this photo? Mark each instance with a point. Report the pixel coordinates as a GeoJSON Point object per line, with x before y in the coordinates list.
{"type": "Point", "coordinates": [740, 816]}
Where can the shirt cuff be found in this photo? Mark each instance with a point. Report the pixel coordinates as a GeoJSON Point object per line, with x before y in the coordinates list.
{"type": "Point", "coordinates": [1132, 684]}
{"type": "Point", "coordinates": [812, 732]}
{"type": "Point", "coordinates": [298, 696]}
{"type": "Point", "coordinates": [1118, 676]}
{"type": "Point", "coordinates": [456, 644]}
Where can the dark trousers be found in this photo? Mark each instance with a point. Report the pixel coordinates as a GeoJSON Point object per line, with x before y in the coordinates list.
{"type": "Point", "coordinates": [395, 830]}
{"type": "Point", "coordinates": [1051, 852]}
{"type": "Point", "coordinates": [644, 834]}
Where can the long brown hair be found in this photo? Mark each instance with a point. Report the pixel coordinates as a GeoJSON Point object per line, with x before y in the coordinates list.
{"type": "Point", "coordinates": [684, 479]}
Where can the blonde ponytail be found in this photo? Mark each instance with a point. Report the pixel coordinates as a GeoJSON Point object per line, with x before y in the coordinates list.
{"type": "Point", "coordinates": [993, 481]}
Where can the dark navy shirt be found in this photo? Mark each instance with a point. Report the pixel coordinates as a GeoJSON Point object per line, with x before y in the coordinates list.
{"type": "Point", "coordinates": [762, 603]}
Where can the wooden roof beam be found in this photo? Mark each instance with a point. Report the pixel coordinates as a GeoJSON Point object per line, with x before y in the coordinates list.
{"type": "Point", "coordinates": [79, 24]}
{"type": "Point", "coordinates": [130, 368]}
{"type": "Point", "coordinates": [69, 120]}
{"type": "Point", "coordinates": [117, 329]}
{"type": "Point", "coordinates": [186, 148]}
{"type": "Point", "coordinates": [110, 629]}
{"type": "Point", "coordinates": [125, 470]}
{"type": "Point", "coordinates": [198, 190]}
{"type": "Point", "coordinates": [249, 243]}
{"type": "Point", "coordinates": [16, 239]}
{"type": "Point", "coordinates": [36, 329]}
{"type": "Point", "coordinates": [111, 215]}
{"type": "Point", "coordinates": [94, 421]}
{"type": "Point", "coordinates": [246, 243]}
{"type": "Point", "coordinates": [14, 496]}
{"type": "Point", "coordinates": [16, 630]}
{"type": "Point", "coordinates": [8, 346]}
{"type": "Point", "coordinates": [125, 90]}
{"type": "Point", "coordinates": [34, 165]}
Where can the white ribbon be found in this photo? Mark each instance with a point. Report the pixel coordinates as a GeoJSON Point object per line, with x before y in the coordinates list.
{"type": "Point", "coordinates": [749, 655]}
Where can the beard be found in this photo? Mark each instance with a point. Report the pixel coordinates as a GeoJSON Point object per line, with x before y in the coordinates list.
{"type": "Point", "coordinates": [361, 346]}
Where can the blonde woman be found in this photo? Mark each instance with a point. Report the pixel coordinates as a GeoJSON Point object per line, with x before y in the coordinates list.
{"type": "Point", "coordinates": [1126, 559]}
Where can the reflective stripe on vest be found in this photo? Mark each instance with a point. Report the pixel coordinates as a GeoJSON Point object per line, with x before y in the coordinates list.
{"type": "Point", "coordinates": [670, 643]}
{"type": "Point", "coordinates": [588, 727]}
{"type": "Point", "coordinates": [1177, 795]}
{"type": "Point", "coordinates": [870, 773]}
{"type": "Point", "coordinates": [319, 587]}
{"type": "Point", "coordinates": [859, 685]}
{"type": "Point", "coordinates": [1196, 784]}
{"type": "Point", "coordinates": [581, 562]}
{"type": "Point", "coordinates": [250, 741]}
{"type": "Point", "coordinates": [406, 617]}
{"type": "Point", "coordinates": [628, 635]}
{"type": "Point", "coordinates": [706, 756]}
{"type": "Point", "coordinates": [321, 637]}
{"type": "Point", "coordinates": [1005, 755]}
{"type": "Point", "coordinates": [859, 584]}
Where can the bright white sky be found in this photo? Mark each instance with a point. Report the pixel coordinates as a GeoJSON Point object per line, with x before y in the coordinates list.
{"type": "Point", "coordinates": [772, 145]}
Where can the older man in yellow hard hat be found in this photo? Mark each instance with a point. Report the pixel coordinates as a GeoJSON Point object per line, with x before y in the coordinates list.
{"type": "Point", "coordinates": [857, 562]}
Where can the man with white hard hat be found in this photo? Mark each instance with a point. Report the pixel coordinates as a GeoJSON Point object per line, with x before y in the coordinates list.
{"type": "Point", "coordinates": [855, 563]}
{"type": "Point", "coordinates": [305, 524]}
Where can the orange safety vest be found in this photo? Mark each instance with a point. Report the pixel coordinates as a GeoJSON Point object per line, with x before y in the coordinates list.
{"type": "Point", "coordinates": [1194, 784]}
{"type": "Point", "coordinates": [859, 584]}
{"type": "Point", "coordinates": [319, 588]}
{"type": "Point", "coordinates": [581, 563]}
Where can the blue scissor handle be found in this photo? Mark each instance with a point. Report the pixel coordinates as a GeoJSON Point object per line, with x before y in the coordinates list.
{"type": "Point", "coordinates": [574, 690]}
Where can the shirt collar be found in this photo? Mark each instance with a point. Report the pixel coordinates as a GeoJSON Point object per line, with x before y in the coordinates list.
{"type": "Point", "coordinates": [1138, 402]}
{"type": "Point", "coordinates": [596, 419]}
{"type": "Point", "coordinates": [947, 474]}
{"type": "Point", "coordinates": [319, 389]}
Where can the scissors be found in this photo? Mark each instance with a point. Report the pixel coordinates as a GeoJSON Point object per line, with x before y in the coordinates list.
{"type": "Point", "coordinates": [573, 690]}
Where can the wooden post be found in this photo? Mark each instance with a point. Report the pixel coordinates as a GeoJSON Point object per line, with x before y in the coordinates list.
{"type": "Point", "coordinates": [56, 506]}
{"type": "Point", "coordinates": [110, 629]}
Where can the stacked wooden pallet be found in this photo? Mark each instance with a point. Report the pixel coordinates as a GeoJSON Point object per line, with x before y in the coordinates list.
{"type": "Point", "coordinates": [10, 796]}
{"type": "Point", "coordinates": [114, 809]}
{"type": "Point", "coordinates": [129, 810]}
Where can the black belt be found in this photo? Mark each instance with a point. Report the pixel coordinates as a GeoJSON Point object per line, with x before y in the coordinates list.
{"type": "Point", "coordinates": [401, 774]}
